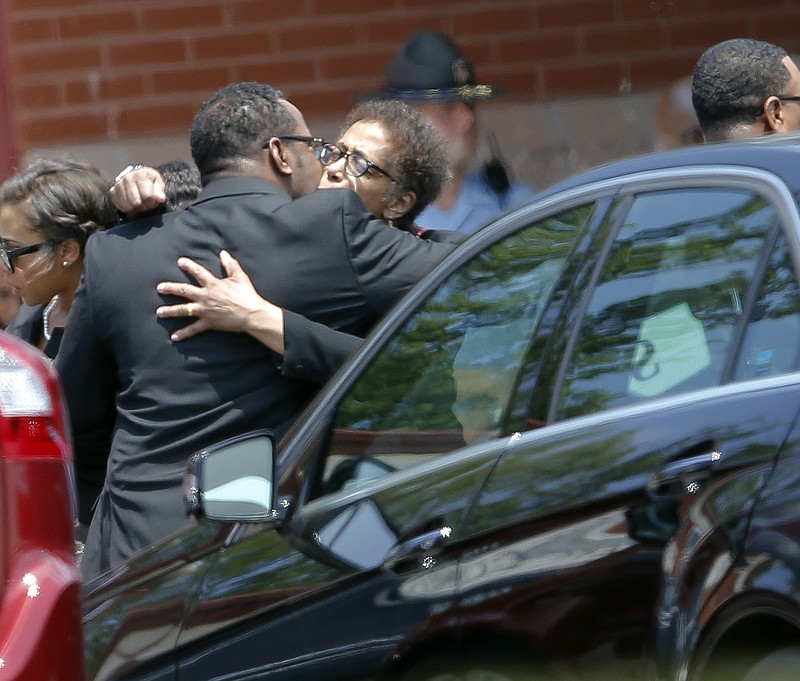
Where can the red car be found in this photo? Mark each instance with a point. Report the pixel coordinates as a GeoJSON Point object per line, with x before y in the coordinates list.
{"type": "Point", "coordinates": [40, 590]}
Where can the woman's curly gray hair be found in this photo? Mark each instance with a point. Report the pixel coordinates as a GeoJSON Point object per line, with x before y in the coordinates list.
{"type": "Point", "coordinates": [418, 153]}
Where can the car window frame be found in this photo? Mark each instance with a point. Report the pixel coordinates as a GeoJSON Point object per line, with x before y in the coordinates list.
{"type": "Point", "coordinates": [761, 182]}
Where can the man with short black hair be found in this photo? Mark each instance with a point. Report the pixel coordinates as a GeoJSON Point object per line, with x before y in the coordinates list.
{"type": "Point", "coordinates": [322, 255]}
{"type": "Point", "coordinates": [745, 88]}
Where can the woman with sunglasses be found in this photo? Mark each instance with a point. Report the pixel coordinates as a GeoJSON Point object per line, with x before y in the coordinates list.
{"type": "Point", "coordinates": [48, 212]}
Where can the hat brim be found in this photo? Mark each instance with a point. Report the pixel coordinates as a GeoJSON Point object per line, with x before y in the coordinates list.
{"type": "Point", "coordinates": [466, 93]}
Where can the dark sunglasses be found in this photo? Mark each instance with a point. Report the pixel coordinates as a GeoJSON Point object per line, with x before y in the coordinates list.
{"type": "Point", "coordinates": [355, 164]}
{"type": "Point", "coordinates": [8, 255]}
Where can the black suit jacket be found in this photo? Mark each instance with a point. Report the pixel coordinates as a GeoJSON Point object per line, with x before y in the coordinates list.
{"type": "Point", "coordinates": [313, 351]}
{"type": "Point", "coordinates": [322, 256]}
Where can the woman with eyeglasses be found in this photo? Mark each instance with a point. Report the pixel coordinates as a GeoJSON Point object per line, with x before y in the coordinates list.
{"type": "Point", "coordinates": [394, 159]}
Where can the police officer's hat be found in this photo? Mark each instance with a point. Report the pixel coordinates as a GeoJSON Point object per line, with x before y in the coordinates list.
{"type": "Point", "coordinates": [430, 67]}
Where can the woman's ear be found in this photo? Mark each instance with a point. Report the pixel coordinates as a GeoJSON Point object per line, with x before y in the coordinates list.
{"type": "Point", "coordinates": [278, 154]}
{"type": "Point", "coordinates": [69, 252]}
{"type": "Point", "coordinates": [398, 206]}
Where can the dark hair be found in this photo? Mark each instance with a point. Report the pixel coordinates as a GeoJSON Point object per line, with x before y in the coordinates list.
{"type": "Point", "coordinates": [731, 81]}
{"type": "Point", "coordinates": [234, 123]}
{"type": "Point", "coordinates": [63, 199]}
{"type": "Point", "coordinates": [419, 160]}
{"type": "Point", "coordinates": [181, 184]}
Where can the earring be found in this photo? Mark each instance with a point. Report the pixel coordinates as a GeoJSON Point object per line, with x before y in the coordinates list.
{"type": "Point", "coordinates": [65, 263]}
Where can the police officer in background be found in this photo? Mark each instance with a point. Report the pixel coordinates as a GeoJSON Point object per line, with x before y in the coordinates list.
{"type": "Point", "coordinates": [431, 73]}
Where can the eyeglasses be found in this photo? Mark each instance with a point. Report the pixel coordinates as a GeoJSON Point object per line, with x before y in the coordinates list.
{"type": "Point", "coordinates": [8, 255]}
{"type": "Point", "coordinates": [355, 164]}
{"type": "Point", "coordinates": [316, 143]}
{"type": "Point", "coordinates": [789, 98]}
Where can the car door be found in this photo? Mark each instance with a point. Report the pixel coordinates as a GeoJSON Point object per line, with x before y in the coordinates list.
{"type": "Point", "coordinates": [637, 417]}
{"type": "Point", "coordinates": [381, 479]}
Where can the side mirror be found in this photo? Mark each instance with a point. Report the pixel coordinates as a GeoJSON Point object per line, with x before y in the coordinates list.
{"type": "Point", "coordinates": [233, 481]}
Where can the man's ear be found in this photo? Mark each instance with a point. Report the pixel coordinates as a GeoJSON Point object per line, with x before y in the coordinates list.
{"type": "Point", "coordinates": [399, 205]}
{"type": "Point", "coordinates": [773, 114]}
{"type": "Point", "coordinates": [278, 155]}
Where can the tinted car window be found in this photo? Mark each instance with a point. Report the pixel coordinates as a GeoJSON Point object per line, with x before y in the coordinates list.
{"type": "Point", "coordinates": [770, 341]}
{"type": "Point", "coordinates": [446, 378]}
{"type": "Point", "coordinates": [668, 298]}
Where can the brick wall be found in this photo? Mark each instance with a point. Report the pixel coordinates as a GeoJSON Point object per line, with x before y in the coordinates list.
{"type": "Point", "coordinates": [105, 71]}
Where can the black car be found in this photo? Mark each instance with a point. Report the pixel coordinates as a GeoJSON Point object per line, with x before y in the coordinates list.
{"type": "Point", "coordinates": [572, 452]}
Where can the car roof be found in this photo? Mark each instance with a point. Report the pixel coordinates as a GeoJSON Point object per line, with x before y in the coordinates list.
{"type": "Point", "coordinates": [778, 154]}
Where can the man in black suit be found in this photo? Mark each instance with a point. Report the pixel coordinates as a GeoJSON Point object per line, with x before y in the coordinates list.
{"type": "Point", "coordinates": [321, 255]}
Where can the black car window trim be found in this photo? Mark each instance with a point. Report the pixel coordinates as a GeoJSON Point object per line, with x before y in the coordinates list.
{"type": "Point", "coordinates": [545, 375]}
{"type": "Point", "coordinates": [758, 181]}
{"type": "Point", "coordinates": [751, 296]}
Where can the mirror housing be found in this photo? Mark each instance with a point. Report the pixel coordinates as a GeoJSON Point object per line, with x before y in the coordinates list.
{"type": "Point", "coordinates": [233, 481]}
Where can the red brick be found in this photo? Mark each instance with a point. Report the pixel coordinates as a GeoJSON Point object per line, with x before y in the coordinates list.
{"type": "Point", "coordinates": [781, 29]}
{"type": "Point", "coordinates": [232, 45]}
{"type": "Point", "coordinates": [122, 86]}
{"type": "Point", "coordinates": [580, 79]}
{"type": "Point", "coordinates": [146, 119]}
{"type": "Point", "coordinates": [393, 30]}
{"type": "Point", "coordinates": [276, 72]}
{"type": "Point", "coordinates": [656, 11]}
{"type": "Point", "coordinates": [317, 36]}
{"type": "Point", "coordinates": [739, 7]}
{"type": "Point", "coordinates": [38, 96]}
{"type": "Point", "coordinates": [370, 64]}
{"type": "Point", "coordinates": [519, 86]}
{"type": "Point", "coordinates": [97, 24]}
{"type": "Point", "coordinates": [58, 127]}
{"type": "Point", "coordinates": [146, 51]}
{"type": "Point", "coordinates": [647, 73]}
{"type": "Point", "coordinates": [491, 21]}
{"type": "Point", "coordinates": [326, 103]}
{"type": "Point", "coordinates": [259, 11]}
{"type": "Point", "coordinates": [57, 5]}
{"type": "Point", "coordinates": [575, 13]}
{"type": "Point", "coordinates": [56, 58]}
{"type": "Point", "coordinates": [170, 17]}
{"type": "Point", "coordinates": [195, 79]}
{"type": "Point", "coordinates": [323, 8]}
{"type": "Point", "coordinates": [703, 33]}
{"type": "Point", "coordinates": [622, 40]}
{"type": "Point", "coordinates": [24, 31]}
{"type": "Point", "coordinates": [542, 45]}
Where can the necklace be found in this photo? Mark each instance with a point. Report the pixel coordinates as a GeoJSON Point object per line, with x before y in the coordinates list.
{"type": "Point", "coordinates": [46, 318]}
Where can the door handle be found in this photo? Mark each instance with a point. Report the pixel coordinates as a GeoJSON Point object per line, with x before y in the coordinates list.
{"type": "Point", "coordinates": [682, 476]}
{"type": "Point", "coordinates": [418, 550]}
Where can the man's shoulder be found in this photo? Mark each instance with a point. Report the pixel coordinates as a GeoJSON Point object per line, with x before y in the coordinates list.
{"type": "Point", "coordinates": [321, 199]}
{"type": "Point", "coordinates": [129, 230]}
